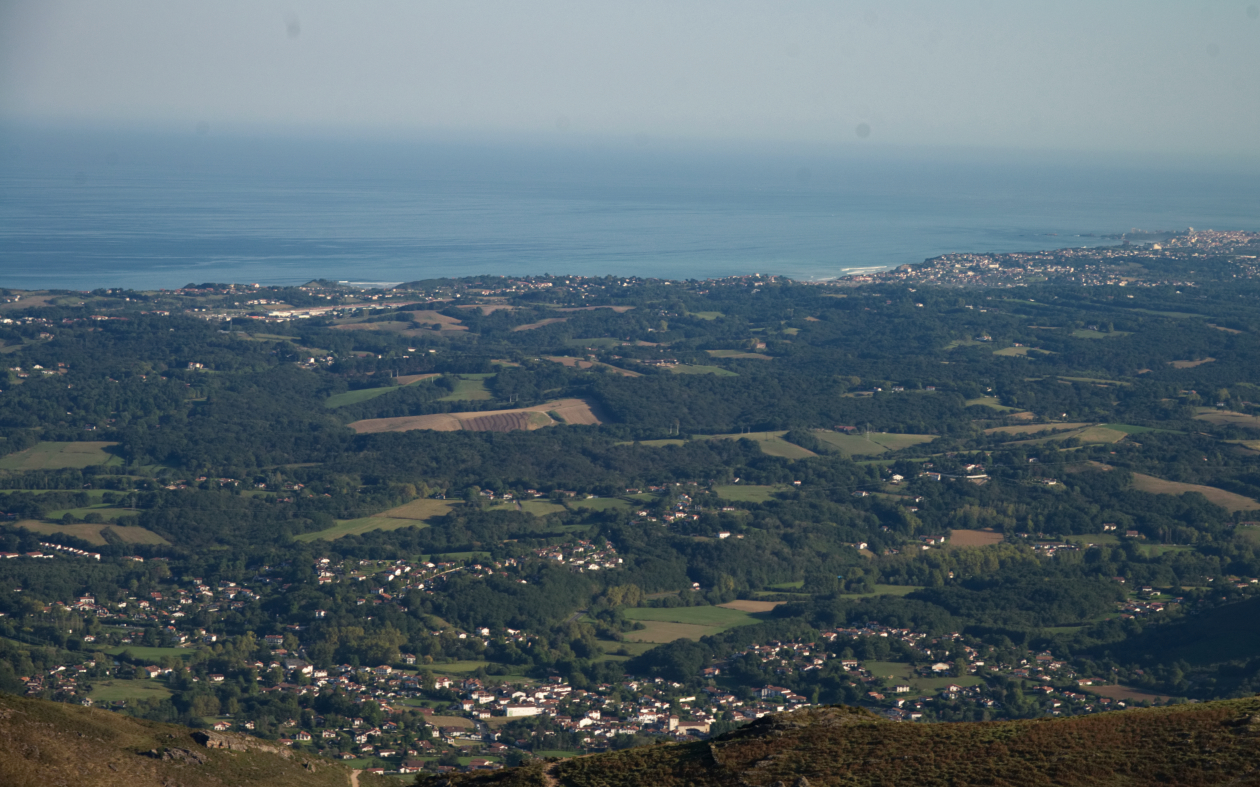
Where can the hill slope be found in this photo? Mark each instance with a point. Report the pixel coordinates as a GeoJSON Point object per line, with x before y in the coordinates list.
{"type": "Point", "coordinates": [48, 744]}
{"type": "Point", "coordinates": [1210, 744]}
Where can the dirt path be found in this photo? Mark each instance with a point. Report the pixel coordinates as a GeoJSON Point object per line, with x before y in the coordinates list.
{"type": "Point", "coordinates": [354, 778]}
{"type": "Point", "coordinates": [549, 775]}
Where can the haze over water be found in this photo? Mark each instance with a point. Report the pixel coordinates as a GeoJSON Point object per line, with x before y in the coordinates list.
{"type": "Point", "coordinates": [80, 211]}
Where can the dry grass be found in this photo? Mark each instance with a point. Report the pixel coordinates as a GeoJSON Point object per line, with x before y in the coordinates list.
{"type": "Point", "coordinates": [572, 411]}
{"type": "Point", "coordinates": [745, 605]}
{"type": "Point", "coordinates": [444, 323]}
{"type": "Point", "coordinates": [1223, 328]}
{"type": "Point", "coordinates": [531, 326]}
{"type": "Point", "coordinates": [618, 309]}
{"type": "Point", "coordinates": [1226, 500]}
{"type": "Point", "coordinates": [975, 538]}
{"type": "Point", "coordinates": [771, 444]}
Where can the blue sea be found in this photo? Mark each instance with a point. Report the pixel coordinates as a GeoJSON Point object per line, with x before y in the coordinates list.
{"type": "Point", "coordinates": [87, 209]}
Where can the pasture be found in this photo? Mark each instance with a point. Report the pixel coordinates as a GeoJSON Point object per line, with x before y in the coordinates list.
{"type": "Point", "coordinates": [739, 354]}
{"type": "Point", "coordinates": [747, 493]}
{"type": "Point", "coordinates": [1224, 499]}
{"type": "Point", "coordinates": [469, 388]}
{"type": "Point", "coordinates": [975, 538]}
{"type": "Point", "coordinates": [990, 402]}
{"type": "Point", "coordinates": [366, 394]}
{"type": "Point", "coordinates": [771, 443]}
{"type": "Point", "coordinates": [422, 509]}
{"type": "Point", "coordinates": [1086, 333]}
{"type": "Point", "coordinates": [1209, 414]}
{"type": "Point", "coordinates": [541, 323]}
{"type": "Point", "coordinates": [600, 504]}
{"type": "Point", "coordinates": [751, 607]}
{"type": "Point", "coordinates": [347, 527]}
{"type": "Point", "coordinates": [114, 690]}
{"type": "Point", "coordinates": [684, 368]}
{"type": "Point", "coordinates": [570, 410]}
{"type": "Point", "coordinates": [94, 534]}
{"type": "Point", "coordinates": [668, 624]}
{"type": "Point", "coordinates": [1190, 364]}
{"type": "Point", "coordinates": [1126, 694]}
{"type": "Point", "coordinates": [870, 444]}
{"type": "Point", "coordinates": [61, 456]}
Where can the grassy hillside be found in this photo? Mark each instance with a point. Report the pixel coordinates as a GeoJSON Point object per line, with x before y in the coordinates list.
{"type": "Point", "coordinates": [1209, 744]}
{"type": "Point", "coordinates": [46, 743]}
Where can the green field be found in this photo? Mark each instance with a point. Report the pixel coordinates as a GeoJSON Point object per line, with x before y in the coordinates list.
{"type": "Point", "coordinates": [541, 507]}
{"type": "Point", "coordinates": [991, 402]}
{"type": "Point", "coordinates": [684, 368]}
{"type": "Point", "coordinates": [142, 652]}
{"type": "Point", "coordinates": [772, 444]}
{"type": "Point", "coordinates": [718, 617]}
{"type": "Point", "coordinates": [870, 444]}
{"type": "Point", "coordinates": [601, 342]}
{"type": "Point", "coordinates": [740, 354]}
{"type": "Point", "coordinates": [469, 388]}
{"type": "Point", "coordinates": [889, 590]}
{"type": "Point", "coordinates": [346, 527]}
{"type": "Point", "coordinates": [93, 534]}
{"type": "Point", "coordinates": [362, 395]}
{"type": "Point", "coordinates": [656, 443]}
{"type": "Point", "coordinates": [1085, 333]}
{"type": "Point", "coordinates": [61, 456]}
{"type": "Point", "coordinates": [601, 504]}
{"type": "Point", "coordinates": [705, 315]}
{"type": "Point", "coordinates": [747, 493]}
{"type": "Point", "coordinates": [113, 690]}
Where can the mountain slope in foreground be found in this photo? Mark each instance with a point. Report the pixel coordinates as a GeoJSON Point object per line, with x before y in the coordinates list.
{"type": "Point", "coordinates": [1210, 744]}
{"type": "Point", "coordinates": [49, 744]}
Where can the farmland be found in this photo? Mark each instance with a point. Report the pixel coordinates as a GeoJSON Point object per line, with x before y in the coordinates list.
{"type": "Point", "coordinates": [115, 690]}
{"type": "Point", "coordinates": [975, 538]}
{"type": "Point", "coordinates": [1227, 500]}
{"type": "Point", "coordinates": [469, 388]}
{"type": "Point", "coordinates": [683, 368]}
{"type": "Point", "coordinates": [747, 493]}
{"type": "Point", "coordinates": [570, 411]}
{"type": "Point", "coordinates": [772, 444]}
{"type": "Point", "coordinates": [94, 533]}
{"type": "Point", "coordinates": [740, 354]}
{"type": "Point", "coordinates": [870, 444]}
{"type": "Point", "coordinates": [668, 624]}
{"type": "Point", "coordinates": [58, 456]}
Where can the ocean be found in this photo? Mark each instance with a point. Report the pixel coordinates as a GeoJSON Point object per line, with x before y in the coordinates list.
{"type": "Point", "coordinates": [82, 210]}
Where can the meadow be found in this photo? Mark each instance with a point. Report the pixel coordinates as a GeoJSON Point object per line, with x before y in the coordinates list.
{"type": "Point", "coordinates": [61, 456]}
{"type": "Point", "coordinates": [666, 624]}
{"type": "Point", "coordinates": [1227, 500]}
{"type": "Point", "coordinates": [93, 534]}
{"type": "Point", "coordinates": [870, 444]}
{"type": "Point", "coordinates": [747, 493]}
{"type": "Point", "coordinates": [115, 690]}
{"type": "Point", "coordinates": [771, 443]}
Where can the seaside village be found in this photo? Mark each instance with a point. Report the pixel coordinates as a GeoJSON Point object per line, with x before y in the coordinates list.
{"type": "Point", "coordinates": [420, 714]}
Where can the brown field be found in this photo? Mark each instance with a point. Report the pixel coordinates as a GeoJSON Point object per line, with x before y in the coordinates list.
{"type": "Point", "coordinates": [571, 411]}
{"type": "Point", "coordinates": [531, 326]}
{"type": "Point", "coordinates": [421, 509]}
{"type": "Point", "coordinates": [1125, 693]}
{"type": "Point", "coordinates": [1190, 364]}
{"type": "Point", "coordinates": [408, 379]}
{"type": "Point", "coordinates": [975, 538]}
{"type": "Point", "coordinates": [1226, 500]}
{"type": "Point", "coordinates": [1223, 328]}
{"type": "Point", "coordinates": [92, 533]}
{"type": "Point", "coordinates": [28, 302]}
{"type": "Point", "coordinates": [1034, 428]}
{"type": "Point", "coordinates": [618, 309]}
{"type": "Point", "coordinates": [450, 721]}
{"type": "Point", "coordinates": [752, 606]}
{"type": "Point", "coordinates": [499, 422]}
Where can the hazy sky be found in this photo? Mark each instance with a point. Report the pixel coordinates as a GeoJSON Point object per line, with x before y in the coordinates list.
{"type": "Point", "coordinates": [1174, 77]}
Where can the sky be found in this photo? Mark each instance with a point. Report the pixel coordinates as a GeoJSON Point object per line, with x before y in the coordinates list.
{"type": "Point", "coordinates": [1176, 78]}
